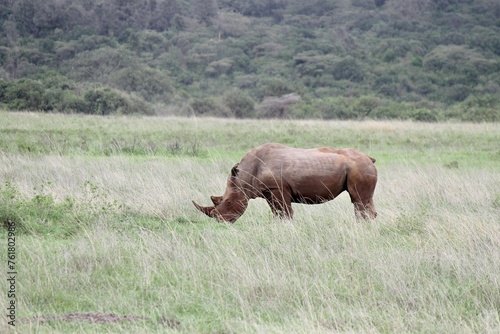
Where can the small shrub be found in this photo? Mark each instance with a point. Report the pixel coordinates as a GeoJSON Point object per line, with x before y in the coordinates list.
{"type": "Point", "coordinates": [103, 101]}
{"type": "Point", "coordinates": [394, 110]}
{"type": "Point", "coordinates": [315, 65]}
{"type": "Point", "coordinates": [3, 90]}
{"type": "Point", "coordinates": [278, 107]}
{"type": "Point", "coordinates": [478, 114]}
{"type": "Point", "coordinates": [240, 103]}
{"type": "Point", "coordinates": [332, 108]}
{"type": "Point", "coordinates": [40, 214]}
{"type": "Point", "coordinates": [365, 105]}
{"type": "Point", "coordinates": [348, 69]}
{"type": "Point", "coordinates": [423, 115]}
{"type": "Point", "coordinates": [74, 103]}
{"type": "Point", "coordinates": [417, 61]}
{"type": "Point", "coordinates": [273, 87]}
{"type": "Point", "coordinates": [209, 107]}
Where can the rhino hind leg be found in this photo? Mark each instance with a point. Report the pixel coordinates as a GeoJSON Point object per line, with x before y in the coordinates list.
{"type": "Point", "coordinates": [365, 209]}
{"type": "Point", "coordinates": [361, 194]}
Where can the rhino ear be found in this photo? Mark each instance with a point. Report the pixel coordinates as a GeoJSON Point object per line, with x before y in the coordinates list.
{"type": "Point", "coordinates": [235, 170]}
{"type": "Point", "coordinates": [216, 200]}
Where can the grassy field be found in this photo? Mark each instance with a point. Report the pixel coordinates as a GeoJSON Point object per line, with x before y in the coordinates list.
{"type": "Point", "coordinates": [107, 239]}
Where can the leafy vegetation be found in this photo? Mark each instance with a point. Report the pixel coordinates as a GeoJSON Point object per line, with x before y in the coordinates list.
{"type": "Point", "coordinates": [425, 60]}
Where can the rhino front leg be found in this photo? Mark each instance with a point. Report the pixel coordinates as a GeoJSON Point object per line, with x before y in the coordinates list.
{"type": "Point", "coordinates": [280, 203]}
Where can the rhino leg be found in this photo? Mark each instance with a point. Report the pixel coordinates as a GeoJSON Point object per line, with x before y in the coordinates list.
{"type": "Point", "coordinates": [365, 209]}
{"type": "Point", "coordinates": [361, 189]}
{"type": "Point", "coordinates": [280, 203]}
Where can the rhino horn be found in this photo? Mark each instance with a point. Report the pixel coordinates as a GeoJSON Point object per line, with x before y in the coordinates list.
{"type": "Point", "coordinates": [205, 209]}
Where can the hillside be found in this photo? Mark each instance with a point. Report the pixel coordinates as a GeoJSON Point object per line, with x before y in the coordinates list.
{"type": "Point", "coordinates": [421, 59]}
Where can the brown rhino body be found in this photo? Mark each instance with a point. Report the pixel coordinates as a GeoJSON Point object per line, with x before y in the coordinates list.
{"type": "Point", "coordinates": [284, 175]}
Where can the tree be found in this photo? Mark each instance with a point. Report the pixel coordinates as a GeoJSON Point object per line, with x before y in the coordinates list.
{"type": "Point", "coordinates": [23, 12]}
{"type": "Point", "coordinates": [165, 15]}
{"type": "Point", "coordinates": [278, 107]}
{"type": "Point", "coordinates": [115, 16]}
{"type": "Point", "coordinates": [204, 10]}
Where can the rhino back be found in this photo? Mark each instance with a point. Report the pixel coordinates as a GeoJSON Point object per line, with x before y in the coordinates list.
{"type": "Point", "coordinates": [310, 174]}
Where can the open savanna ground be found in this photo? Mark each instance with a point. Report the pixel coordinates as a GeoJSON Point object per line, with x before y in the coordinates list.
{"type": "Point", "coordinates": [107, 239]}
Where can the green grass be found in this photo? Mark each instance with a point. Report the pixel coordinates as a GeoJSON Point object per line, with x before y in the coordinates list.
{"type": "Point", "coordinates": [114, 232]}
{"type": "Point", "coordinates": [208, 138]}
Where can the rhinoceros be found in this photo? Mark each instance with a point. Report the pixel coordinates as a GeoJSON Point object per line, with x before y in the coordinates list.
{"type": "Point", "coordinates": [284, 175]}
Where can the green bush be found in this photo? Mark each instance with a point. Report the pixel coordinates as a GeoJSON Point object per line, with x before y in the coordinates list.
{"type": "Point", "coordinates": [74, 103]}
{"type": "Point", "coordinates": [423, 115]}
{"type": "Point", "coordinates": [148, 41]}
{"type": "Point", "coordinates": [209, 107]}
{"type": "Point", "coordinates": [3, 90]}
{"type": "Point", "coordinates": [453, 59]}
{"type": "Point", "coordinates": [389, 111]}
{"type": "Point", "coordinates": [54, 95]}
{"type": "Point", "coordinates": [348, 69]}
{"type": "Point", "coordinates": [219, 67]}
{"type": "Point", "coordinates": [480, 109]}
{"type": "Point", "coordinates": [150, 83]}
{"type": "Point", "coordinates": [240, 103]}
{"type": "Point", "coordinates": [455, 93]}
{"type": "Point", "coordinates": [333, 108]}
{"type": "Point", "coordinates": [478, 114]}
{"type": "Point", "coordinates": [273, 87]}
{"type": "Point", "coordinates": [137, 105]}
{"type": "Point", "coordinates": [97, 65]}
{"type": "Point", "coordinates": [310, 64]}
{"type": "Point", "coordinates": [417, 61]}
{"type": "Point", "coordinates": [27, 94]}
{"type": "Point", "coordinates": [105, 101]}
{"type": "Point", "coordinates": [365, 105]}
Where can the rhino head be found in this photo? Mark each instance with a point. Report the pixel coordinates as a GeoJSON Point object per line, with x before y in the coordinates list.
{"type": "Point", "coordinates": [230, 206]}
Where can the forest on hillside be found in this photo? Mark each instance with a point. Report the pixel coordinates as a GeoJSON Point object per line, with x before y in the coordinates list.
{"type": "Point", "coordinates": [425, 60]}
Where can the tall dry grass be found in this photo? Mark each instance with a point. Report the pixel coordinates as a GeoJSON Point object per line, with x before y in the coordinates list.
{"type": "Point", "coordinates": [428, 263]}
{"type": "Point", "coordinates": [108, 227]}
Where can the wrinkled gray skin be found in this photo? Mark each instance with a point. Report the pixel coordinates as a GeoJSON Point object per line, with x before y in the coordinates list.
{"type": "Point", "coordinates": [284, 175]}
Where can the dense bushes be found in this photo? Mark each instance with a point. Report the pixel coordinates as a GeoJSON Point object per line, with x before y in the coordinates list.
{"type": "Point", "coordinates": [27, 94]}
{"type": "Point", "coordinates": [358, 59]}
{"type": "Point", "coordinates": [34, 95]}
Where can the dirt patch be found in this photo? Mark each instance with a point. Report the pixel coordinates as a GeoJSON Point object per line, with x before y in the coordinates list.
{"type": "Point", "coordinates": [98, 318]}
